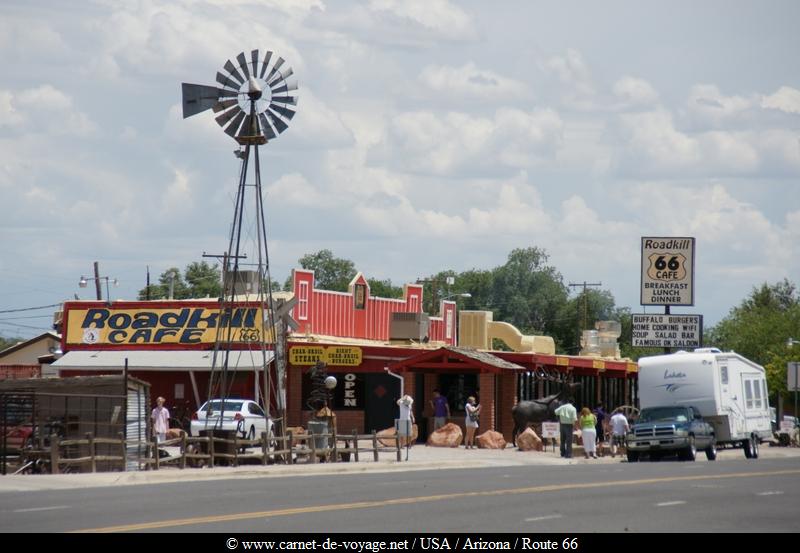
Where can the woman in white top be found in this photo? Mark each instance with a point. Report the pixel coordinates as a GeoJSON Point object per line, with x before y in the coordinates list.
{"type": "Point", "coordinates": [471, 422]}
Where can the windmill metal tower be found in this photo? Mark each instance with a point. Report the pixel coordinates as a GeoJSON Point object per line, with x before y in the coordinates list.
{"type": "Point", "coordinates": [255, 101]}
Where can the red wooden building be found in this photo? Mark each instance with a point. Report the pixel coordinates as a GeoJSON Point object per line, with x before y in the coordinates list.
{"type": "Point", "coordinates": [170, 345]}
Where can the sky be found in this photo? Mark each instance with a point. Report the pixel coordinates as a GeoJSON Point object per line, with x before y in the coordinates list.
{"type": "Point", "coordinates": [430, 135]}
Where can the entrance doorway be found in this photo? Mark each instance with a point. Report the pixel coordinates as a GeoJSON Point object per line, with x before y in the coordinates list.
{"type": "Point", "coordinates": [380, 409]}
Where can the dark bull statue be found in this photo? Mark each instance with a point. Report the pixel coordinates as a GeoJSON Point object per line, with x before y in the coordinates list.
{"type": "Point", "coordinates": [543, 409]}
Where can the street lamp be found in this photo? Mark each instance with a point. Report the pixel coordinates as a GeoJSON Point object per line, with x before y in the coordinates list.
{"type": "Point", "coordinates": [463, 295]}
{"type": "Point", "coordinates": [84, 282]}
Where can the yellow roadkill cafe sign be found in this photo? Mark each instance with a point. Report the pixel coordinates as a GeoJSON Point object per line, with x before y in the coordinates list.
{"type": "Point", "coordinates": [185, 326]}
{"type": "Point", "coordinates": [333, 355]}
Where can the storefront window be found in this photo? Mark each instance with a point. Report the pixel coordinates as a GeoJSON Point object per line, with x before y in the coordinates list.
{"type": "Point", "coordinates": [457, 388]}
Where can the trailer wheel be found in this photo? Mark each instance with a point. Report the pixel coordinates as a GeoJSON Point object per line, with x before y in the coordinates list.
{"type": "Point", "coordinates": [711, 450]}
{"type": "Point", "coordinates": [754, 453]}
{"type": "Point", "coordinates": [749, 448]}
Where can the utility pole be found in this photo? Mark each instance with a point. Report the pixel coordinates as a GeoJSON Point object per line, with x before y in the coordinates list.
{"type": "Point", "coordinates": [584, 285]}
{"type": "Point", "coordinates": [97, 280]}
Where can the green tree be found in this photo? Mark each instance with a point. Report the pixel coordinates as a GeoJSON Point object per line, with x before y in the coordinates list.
{"type": "Point", "coordinates": [527, 292]}
{"type": "Point", "coordinates": [161, 290]}
{"type": "Point", "coordinates": [330, 273]}
{"type": "Point", "coordinates": [581, 313]}
{"type": "Point", "coordinates": [200, 280]}
{"type": "Point", "coordinates": [759, 328]}
{"type": "Point", "coordinates": [203, 280]}
{"type": "Point", "coordinates": [384, 289]}
{"type": "Point", "coordinates": [6, 343]}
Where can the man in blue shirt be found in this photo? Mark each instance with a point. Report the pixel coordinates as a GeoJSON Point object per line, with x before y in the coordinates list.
{"type": "Point", "coordinates": [441, 409]}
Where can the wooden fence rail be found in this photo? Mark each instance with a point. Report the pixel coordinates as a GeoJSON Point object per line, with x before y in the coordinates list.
{"type": "Point", "coordinates": [212, 449]}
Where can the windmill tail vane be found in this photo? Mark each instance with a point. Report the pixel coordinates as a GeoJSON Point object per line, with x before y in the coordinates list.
{"type": "Point", "coordinates": [255, 98]}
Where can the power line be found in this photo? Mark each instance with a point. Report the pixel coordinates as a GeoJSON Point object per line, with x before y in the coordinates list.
{"type": "Point", "coordinates": [29, 308]}
{"type": "Point", "coordinates": [30, 317]}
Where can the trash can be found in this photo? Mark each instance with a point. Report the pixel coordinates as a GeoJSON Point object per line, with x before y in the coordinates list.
{"type": "Point", "coordinates": [317, 428]}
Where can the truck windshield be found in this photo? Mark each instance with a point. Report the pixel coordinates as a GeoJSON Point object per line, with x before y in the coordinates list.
{"type": "Point", "coordinates": [655, 414]}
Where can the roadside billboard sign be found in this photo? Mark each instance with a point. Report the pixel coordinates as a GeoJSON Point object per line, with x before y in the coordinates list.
{"type": "Point", "coordinates": [667, 331]}
{"type": "Point", "coordinates": [792, 370]}
{"type": "Point", "coordinates": [667, 271]}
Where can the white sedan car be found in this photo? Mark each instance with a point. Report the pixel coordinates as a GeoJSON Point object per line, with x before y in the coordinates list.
{"type": "Point", "coordinates": [241, 415]}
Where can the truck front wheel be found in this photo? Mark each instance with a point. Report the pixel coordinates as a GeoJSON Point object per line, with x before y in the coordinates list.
{"type": "Point", "coordinates": [633, 456]}
{"type": "Point", "coordinates": [690, 453]}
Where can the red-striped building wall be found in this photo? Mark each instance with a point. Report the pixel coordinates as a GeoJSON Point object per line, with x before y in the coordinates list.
{"type": "Point", "coordinates": [357, 314]}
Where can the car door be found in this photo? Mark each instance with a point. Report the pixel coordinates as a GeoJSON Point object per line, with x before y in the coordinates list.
{"type": "Point", "coordinates": [256, 418]}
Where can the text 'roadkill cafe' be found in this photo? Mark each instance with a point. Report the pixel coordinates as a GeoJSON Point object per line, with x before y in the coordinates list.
{"type": "Point", "coordinates": [170, 344]}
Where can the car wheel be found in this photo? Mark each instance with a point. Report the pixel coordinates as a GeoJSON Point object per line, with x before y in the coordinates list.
{"type": "Point", "coordinates": [711, 450]}
{"type": "Point", "coordinates": [690, 453]}
{"type": "Point", "coordinates": [633, 456]}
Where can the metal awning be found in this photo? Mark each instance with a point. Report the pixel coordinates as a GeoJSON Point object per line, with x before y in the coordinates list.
{"type": "Point", "coordinates": [153, 360]}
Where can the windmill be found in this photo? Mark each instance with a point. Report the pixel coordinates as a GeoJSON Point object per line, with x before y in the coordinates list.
{"type": "Point", "coordinates": [254, 101]}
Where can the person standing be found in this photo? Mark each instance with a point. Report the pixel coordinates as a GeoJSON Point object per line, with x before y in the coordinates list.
{"type": "Point", "coordinates": [405, 404]}
{"type": "Point", "coordinates": [441, 409]}
{"type": "Point", "coordinates": [406, 414]}
{"type": "Point", "coordinates": [588, 423]}
{"type": "Point", "coordinates": [601, 416]}
{"type": "Point", "coordinates": [567, 415]}
{"type": "Point", "coordinates": [160, 418]}
{"type": "Point", "coordinates": [619, 427]}
{"type": "Point", "coordinates": [471, 421]}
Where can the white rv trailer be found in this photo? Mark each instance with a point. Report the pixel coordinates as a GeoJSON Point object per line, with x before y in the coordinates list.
{"type": "Point", "coordinates": [729, 391]}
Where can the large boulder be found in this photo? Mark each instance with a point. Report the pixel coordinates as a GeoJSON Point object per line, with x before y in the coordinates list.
{"type": "Point", "coordinates": [449, 435]}
{"type": "Point", "coordinates": [387, 437]}
{"type": "Point", "coordinates": [175, 433]}
{"type": "Point", "coordinates": [529, 441]}
{"type": "Point", "coordinates": [491, 439]}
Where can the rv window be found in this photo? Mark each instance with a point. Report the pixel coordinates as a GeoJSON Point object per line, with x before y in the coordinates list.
{"type": "Point", "coordinates": [748, 393]}
{"type": "Point", "coordinates": [724, 374]}
{"type": "Point", "coordinates": [757, 389]}
{"type": "Point", "coordinates": [764, 393]}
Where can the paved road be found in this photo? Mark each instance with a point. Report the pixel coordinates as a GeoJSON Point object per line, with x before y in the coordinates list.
{"type": "Point", "coordinates": [732, 496]}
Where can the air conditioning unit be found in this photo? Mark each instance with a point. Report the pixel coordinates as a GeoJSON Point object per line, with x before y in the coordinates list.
{"type": "Point", "coordinates": [246, 282]}
{"type": "Point", "coordinates": [409, 326]}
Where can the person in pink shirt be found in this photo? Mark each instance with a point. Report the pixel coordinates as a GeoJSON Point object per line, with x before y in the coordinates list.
{"type": "Point", "coordinates": [160, 417]}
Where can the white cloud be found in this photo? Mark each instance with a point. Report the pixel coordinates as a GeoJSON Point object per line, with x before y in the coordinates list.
{"type": "Point", "coordinates": [295, 189]}
{"type": "Point", "coordinates": [445, 144]}
{"type": "Point", "coordinates": [653, 145]}
{"type": "Point", "coordinates": [471, 82]}
{"type": "Point", "coordinates": [572, 72]}
{"type": "Point", "coordinates": [635, 92]}
{"type": "Point", "coordinates": [43, 109]}
{"type": "Point", "coordinates": [178, 196]}
{"type": "Point", "coordinates": [785, 99]}
{"type": "Point", "coordinates": [9, 115]}
{"type": "Point", "coordinates": [709, 108]}
{"type": "Point", "coordinates": [317, 124]}
{"type": "Point", "coordinates": [152, 38]}
{"type": "Point", "coordinates": [437, 16]}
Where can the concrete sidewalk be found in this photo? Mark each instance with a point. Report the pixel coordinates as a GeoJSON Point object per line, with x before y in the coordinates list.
{"type": "Point", "coordinates": [420, 457]}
